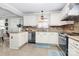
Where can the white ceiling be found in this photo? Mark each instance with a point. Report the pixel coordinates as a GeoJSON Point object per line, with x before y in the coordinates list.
{"type": "Point", "coordinates": [37, 7]}
{"type": "Point", "coordinates": [10, 9]}
{"type": "Point", "coordinates": [6, 13]}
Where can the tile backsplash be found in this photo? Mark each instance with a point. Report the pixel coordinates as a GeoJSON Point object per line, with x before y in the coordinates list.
{"type": "Point", "coordinates": [76, 27]}
{"type": "Point", "coordinates": [71, 28]}
{"type": "Point", "coordinates": [66, 28]}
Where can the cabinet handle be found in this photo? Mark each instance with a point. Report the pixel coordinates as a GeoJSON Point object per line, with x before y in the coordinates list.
{"type": "Point", "coordinates": [11, 37]}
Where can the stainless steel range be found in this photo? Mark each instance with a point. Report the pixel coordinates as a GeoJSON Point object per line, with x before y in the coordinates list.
{"type": "Point", "coordinates": [63, 43]}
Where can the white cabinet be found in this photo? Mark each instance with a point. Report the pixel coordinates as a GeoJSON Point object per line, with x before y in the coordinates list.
{"type": "Point", "coordinates": [18, 39]}
{"type": "Point", "coordinates": [47, 37]}
{"type": "Point", "coordinates": [73, 48]}
{"type": "Point", "coordinates": [13, 41]}
{"type": "Point", "coordinates": [30, 20]}
{"type": "Point", "coordinates": [55, 19]}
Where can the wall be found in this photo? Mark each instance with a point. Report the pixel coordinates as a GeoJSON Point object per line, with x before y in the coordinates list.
{"type": "Point", "coordinates": [12, 24]}
{"type": "Point", "coordinates": [30, 20]}
{"type": "Point", "coordinates": [13, 21]}
{"type": "Point", "coordinates": [2, 27]}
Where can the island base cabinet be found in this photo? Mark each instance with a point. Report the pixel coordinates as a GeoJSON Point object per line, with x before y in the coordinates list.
{"type": "Point", "coordinates": [47, 37]}
{"type": "Point", "coordinates": [73, 49]}
{"type": "Point", "coordinates": [14, 41]}
{"type": "Point", "coordinates": [18, 39]}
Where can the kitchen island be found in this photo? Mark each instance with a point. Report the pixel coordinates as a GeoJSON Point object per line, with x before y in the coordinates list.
{"type": "Point", "coordinates": [18, 39]}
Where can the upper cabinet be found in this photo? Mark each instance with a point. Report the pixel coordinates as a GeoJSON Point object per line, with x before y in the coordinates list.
{"type": "Point", "coordinates": [30, 20]}
{"type": "Point", "coordinates": [55, 19]}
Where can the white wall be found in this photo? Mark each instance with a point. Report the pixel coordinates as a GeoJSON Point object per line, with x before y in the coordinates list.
{"type": "Point", "coordinates": [12, 24]}
{"type": "Point", "coordinates": [2, 27]}
{"type": "Point", "coordinates": [30, 20]}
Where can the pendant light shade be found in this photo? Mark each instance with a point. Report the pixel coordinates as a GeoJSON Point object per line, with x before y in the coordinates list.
{"type": "Point", "coordinates": [42, 16]}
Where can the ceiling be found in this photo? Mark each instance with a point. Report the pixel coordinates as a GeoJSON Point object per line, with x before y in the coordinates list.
{"type": "Point", "coordinates": [6, 13]}
{"type": "Point", "coordinates": [37, 7]}
{"type": "Point", "coordinates": [21, 8]}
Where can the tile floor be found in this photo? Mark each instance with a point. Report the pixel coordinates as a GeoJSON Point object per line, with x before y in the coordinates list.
{"type": "Point", "coordinates": [29, 50]}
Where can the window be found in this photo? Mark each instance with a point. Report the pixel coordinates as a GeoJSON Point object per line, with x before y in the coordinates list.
{"type": "Point", "coordinates": [2, 24]}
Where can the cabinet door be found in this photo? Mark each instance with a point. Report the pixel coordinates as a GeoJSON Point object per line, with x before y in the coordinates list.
{"type": "Point", "coordinates": [30, 20]}
{"type": "Point", "coordinates": [47, 37]}
{"type": "Point", "coordinates": [53, 37]}
{"type": "Point", "coordinates": [55, 19]}
{"type": "Point", "coordinates": [23, 38]}
{"type": "Point", "coordinates": [13, 41]}
{"type": "Point", "coordinates": [73, 49]}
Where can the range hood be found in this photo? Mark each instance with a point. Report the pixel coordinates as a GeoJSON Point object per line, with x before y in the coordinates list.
{"type": "Point", "coordinates": [73, 14]}
{"type": "Point", "coordinates": [71, 18]}
{"type": "Point", "coordinates": [74, 11]}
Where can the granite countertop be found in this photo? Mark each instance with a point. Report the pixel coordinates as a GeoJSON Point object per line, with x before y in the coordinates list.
{"type": "Point", "coordinates": [76, 38]}
{"type": "Point", "coordinates": [18, 32]}
{"type": "Point", "coordinates": [50, 29]}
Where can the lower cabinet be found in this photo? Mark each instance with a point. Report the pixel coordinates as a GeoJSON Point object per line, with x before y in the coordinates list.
{"type": "Point", "coordinates": [18, 39]}
{"type": "Point", "coordinates": [73, 48]}
{"type": "Point", "coordinates": [47, 37]}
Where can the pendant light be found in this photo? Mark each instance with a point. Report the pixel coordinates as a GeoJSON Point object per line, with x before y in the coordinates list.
{"type": "Point", "coordinates": [42, 16]}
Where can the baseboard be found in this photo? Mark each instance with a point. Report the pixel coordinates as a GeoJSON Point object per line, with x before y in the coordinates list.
{"type": "Point", "coordinates": [23, 45]}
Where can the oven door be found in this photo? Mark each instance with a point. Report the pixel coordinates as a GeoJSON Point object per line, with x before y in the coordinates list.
{"type": "Point", "coordinates": [63, 43]}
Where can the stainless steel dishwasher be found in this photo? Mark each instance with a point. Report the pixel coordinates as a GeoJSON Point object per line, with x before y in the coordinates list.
{"type": "Point", "coordinates": [31, 37]}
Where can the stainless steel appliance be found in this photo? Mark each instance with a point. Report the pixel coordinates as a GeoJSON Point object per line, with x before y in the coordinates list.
{"type": "Point", "coordinates": [31, 38]}
{"type": "Point", "coordinates": [63, 43]}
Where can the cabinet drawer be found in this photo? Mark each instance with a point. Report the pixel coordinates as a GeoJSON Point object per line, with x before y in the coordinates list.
{"type": "Point", "coordinates": [71, 53]}
{"type": "Point", "coordinates": [73, 50]}
{"type": "Point", "coordinates": [74, 43]}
